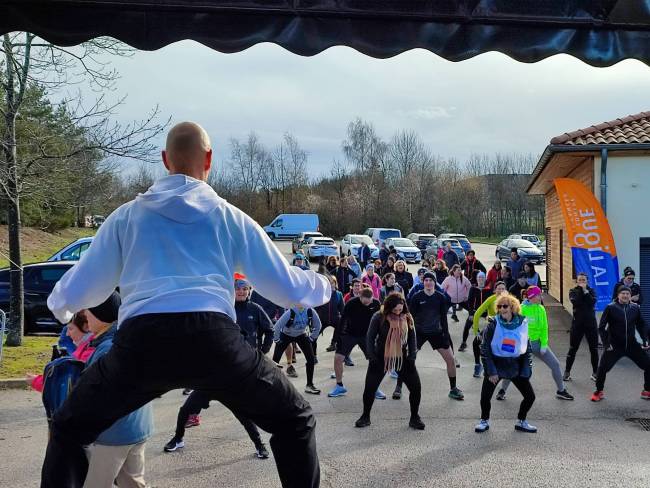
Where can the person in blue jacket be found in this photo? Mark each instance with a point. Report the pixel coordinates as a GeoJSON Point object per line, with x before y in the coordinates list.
{"type": "Point", "coordinates": [118, 452]}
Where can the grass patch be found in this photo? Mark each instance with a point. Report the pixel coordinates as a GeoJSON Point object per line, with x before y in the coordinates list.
{"type": "Point", "coordinates": [37, 245]}
{"type": "Point", "coordinates": [485, 240]}
{"type": "Point", "coordinates": [31, 357]}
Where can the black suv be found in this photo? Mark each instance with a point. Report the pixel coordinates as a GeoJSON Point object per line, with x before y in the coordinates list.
{"type": "Point", "coordinates": [39, 280]}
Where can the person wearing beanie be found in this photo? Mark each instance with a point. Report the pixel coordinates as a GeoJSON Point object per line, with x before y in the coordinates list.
{"type": "Point", "coordinates": [118, 453]}
{"type": "Point", "coordinates": [535, 312]}
{"type": "Point", "coordinates": [619, 323]}
{"type": "Point", "coordinates": [300, 261]}
{"type": "Point", "coordinates": [429, 310]}
{"type": "Point", "coordinates": [635, 288]}
{"type": "Point", "coordinates": [172, 252]}
{"type": "Point", "coordinates": [371, 278]}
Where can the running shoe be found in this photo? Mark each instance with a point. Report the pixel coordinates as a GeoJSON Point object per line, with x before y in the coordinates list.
{"type": "Point", "coordinates": [567, 376]}
{"type": "Point", "coordinates": [478, 369]}
{"type": "Point", "coordinates": [597, 396]}
{"type": "Point", "coordinates": [311, 389]}
{"type": "Point", "coordinates": [338, 391]}
{"type": "Point", "coordinates": [331, 347]}
{"type": "Point", "coordinates": [456, 394]}
{"type": "Point", "coordinates": [187, 391]}
{"type": "Point", "coordinates": [363, 421]}
{"type": "Point", "coordinates": [393, 374]}
{"type": "Point", "coordinates": [501, 395]}
{"type": "Point", "coordinates": [645, 395]}
{"type": "Point", "coordinates": [174, 444]}
{"type": "Point", "coordinates": [462, 348]}
{"type": "Point", "coordinates": [261, 451]}
{"type": "Point", "coordinates": [416, 422]}
{"type": "Point", "coordinates": [332, 376]}
{"type": "Point", "coordinates": [564, 395]}
{"type": "Point", "coordinates": [482, 426]}
{"type": "Point", "coordinates": [380, 395]}
{"type": "Point", "coordinates": [347, 361]}
{"type": "Point", "coordinates": [291, 372]}
{"type": "Point", "coordinates": [524, 426]}
{"type": "Point", "coordinates": [593, 377]}
{"type": "Point", "coordinates": [193, 421]}
{"type": "Point", "coordinates": [457, 362]}
{"type": "Point", "coordinates": [397, 394]}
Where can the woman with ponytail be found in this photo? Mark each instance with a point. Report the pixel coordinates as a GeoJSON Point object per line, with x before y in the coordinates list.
{"type": "Point", "coordinates": [391, 346]}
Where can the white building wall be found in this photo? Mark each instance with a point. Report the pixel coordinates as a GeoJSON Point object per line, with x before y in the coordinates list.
{"type": "Point", "coordinates": [628, 204]}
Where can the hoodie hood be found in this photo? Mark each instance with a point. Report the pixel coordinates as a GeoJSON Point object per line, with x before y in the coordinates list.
{"type": "Point", "coordinates": [180, 198]}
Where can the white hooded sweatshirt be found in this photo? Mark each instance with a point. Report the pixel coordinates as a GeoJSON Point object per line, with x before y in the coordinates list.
{"type": "Point", "coordinates": [175, 248]}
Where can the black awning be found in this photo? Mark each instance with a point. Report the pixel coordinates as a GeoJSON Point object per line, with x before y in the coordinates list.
{"type": "Point", "coordinates": [600, 32]}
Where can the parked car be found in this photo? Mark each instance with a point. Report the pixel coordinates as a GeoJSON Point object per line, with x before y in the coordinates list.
{"type": "Point", "coordinates": [380, 234]}
{"type": "Point", "coordinates": [301, 238]}
{"type": "Point", "coordinates": [529, 237]}
{"type": "Point", "coordinates": [406, 248]}
{"type": "Point", "coordinates": [542, 247]}
{"type": "Point", "coordinates": [351, 243]}
{"type": "Point", "coordinates": [464, 241]}
{"type": "Point", "coordinates": [290, 225]}
{"type": "Point", "coordinates": [316, 247]}
{"type": "Point", "coordinates": [432, 250]}
{"type": "Point", "coordinates": [73, 251]}
{"type": "Point", "coordinates": [421, 240]}
{"type": "Point", "coordinates": [526, 250]}
{"type": "Point", "coordinates": [39, 280]}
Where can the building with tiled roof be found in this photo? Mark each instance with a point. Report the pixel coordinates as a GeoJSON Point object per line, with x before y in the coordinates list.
{"type": "Point", "coordinates": [612, 159]}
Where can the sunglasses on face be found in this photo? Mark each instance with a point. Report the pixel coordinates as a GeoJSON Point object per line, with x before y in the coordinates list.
{"type": "Point", "coordinates": [503, 306]}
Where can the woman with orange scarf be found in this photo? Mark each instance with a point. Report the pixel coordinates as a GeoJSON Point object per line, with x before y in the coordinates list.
{"type": "Point", "coordinates": [391, 346]}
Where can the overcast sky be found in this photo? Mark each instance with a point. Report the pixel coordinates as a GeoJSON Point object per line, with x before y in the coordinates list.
{"type": "Point", "coordinates": [487, 104]}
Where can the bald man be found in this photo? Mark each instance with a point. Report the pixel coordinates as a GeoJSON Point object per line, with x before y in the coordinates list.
{"type": "Point", "coordinates": [173, 251]}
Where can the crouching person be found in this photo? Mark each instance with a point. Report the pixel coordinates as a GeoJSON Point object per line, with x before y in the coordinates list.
{"type": "Point", "coordinates": [118, 453]}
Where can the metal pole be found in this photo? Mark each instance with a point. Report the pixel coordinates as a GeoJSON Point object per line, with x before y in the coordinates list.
{"type": "Point", "coordinates": [3, 323]}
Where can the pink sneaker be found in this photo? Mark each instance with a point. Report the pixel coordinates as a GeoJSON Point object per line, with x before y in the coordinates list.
{"type": "Point", "coordinates": [193, 421]}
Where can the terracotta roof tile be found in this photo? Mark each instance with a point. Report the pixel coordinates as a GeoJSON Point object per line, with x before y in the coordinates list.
{"type": "Point", "coordinates": [627, 130]}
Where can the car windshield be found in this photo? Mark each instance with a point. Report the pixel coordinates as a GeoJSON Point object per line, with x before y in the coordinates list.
{"type": "Point", "coordinates": [530, 238]}
{"type": "Point", "coordinates": [361, 240]}
{"type": "Point", "coordinates": [324, 242]}
{"type": "Point", "coordinates": [401, 243]}
{"type": "Point", "coordinates": [388, 233]}
{"type": "Point", "coordinates": [521, 243]}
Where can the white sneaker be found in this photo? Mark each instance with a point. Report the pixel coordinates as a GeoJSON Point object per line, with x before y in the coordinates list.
{"type": "Point", "coordinates": [524, 426]}
{"type": "Point", "coordinates": [482, 426]}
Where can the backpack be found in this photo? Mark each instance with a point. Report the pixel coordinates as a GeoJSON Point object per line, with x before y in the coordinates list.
{"type": "Point", "coordinates": [292, 316]}
{"type": "Point", "coordinates": [59, 377]}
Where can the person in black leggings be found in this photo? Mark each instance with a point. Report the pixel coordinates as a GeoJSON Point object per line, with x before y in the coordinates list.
{"type": "Point", "coordinates": [391, 346]}
{"type": "Point", "coordinates": [199, 400]}
{"type": "Point", "coordinates": [477, 295]}
{"type": "Point", "coordinates": [583, 298]}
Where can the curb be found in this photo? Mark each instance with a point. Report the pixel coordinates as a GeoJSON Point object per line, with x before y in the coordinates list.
{"type": "Point", "coordinates": [14, 384]}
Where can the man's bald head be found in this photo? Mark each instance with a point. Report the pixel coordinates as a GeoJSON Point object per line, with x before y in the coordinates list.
{"type": "Point", "coordinates": [188, 151]}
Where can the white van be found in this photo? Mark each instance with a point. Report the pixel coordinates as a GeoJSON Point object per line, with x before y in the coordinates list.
{"type": "Point", "coordinates": [290, 225]}
{"type": "Point", "coordinates": [379, 235]}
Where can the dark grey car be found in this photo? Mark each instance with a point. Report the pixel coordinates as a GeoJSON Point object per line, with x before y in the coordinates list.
{"type": "Point", "coordinates": [526, 250]}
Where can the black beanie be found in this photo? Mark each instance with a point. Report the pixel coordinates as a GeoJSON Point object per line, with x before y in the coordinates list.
{"type": "Point", "coordinates": [107, 311]}
{"type": "Point", "coordinates": [429, 275]}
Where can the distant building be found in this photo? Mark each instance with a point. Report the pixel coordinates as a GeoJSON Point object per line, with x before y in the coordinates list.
{"type": "Point", "coordinates": [612, 159]}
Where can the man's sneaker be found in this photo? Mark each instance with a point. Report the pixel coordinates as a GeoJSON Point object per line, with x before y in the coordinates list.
{"type": "Point", "coordinates": [338, 391]}
{"type": "Point", "coordinates": [312, 390]}
{"type": "Point", "coordinates": [380, 395]}
{"type": "Point", "coordinates": [331, 348]}
{"type": "Point", "coordinates": [456, 394]}
{"type": "Point", "coordinates": [416, 422]}
{"type": "Point", "coordinates": [347, 361]}
{"type": "Point", "coordinates": [482, 426]}
{"type": "Point", "coordinates": [174, 444]}
{"type": "Point", "coordinates": [193, 421]}
{"type": "Point", "coordinates": [564, 395]}
{"type": "Point", "coordinates": [187, 391]}
{"type": "Point", "coordinates": [397, 394]}
{"type": "Point", "coordinates": [457, 362]}
{"type": "Point", "coordinates": [593, 377]}
{"type": "Point", "coordinates": [597, 396]}
{"type": "Point", "coordinates": [262, 452]}
{"type": "Point", "coordinates": [363, 421]}
{"type": "Point", "coordinates": [524, 426]}
{"type": "Point", "coordinates": [567, 376]}
{"type": "Point", "coordinates": [315, 359]}
{"type": "Point", "coordinates": [291, 372]}
{"type": "Point", "coordinates": [645, 395]}
{"type": "Point", "coordinates": [393, 374]}
{"type": "Point", "coordinates": [462, 347]}
{"type": "Point", "coordinates": [478, 369]}
{"type": "Point", "coordinates": [332, 376]}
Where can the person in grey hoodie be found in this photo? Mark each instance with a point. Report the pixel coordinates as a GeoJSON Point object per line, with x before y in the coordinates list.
{"type": "Point", "coordinates": [173, 252]}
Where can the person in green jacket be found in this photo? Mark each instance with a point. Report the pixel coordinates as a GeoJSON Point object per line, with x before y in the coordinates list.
{"type": "Point", "coordinates": [486, 309]}
{"type": "Point", "coordinates": [535, 312]}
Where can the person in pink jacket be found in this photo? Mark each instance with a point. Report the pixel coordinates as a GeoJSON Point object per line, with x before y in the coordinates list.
{"type": "Point", "coordinates": [372, 279]}
{"type": "Point", "coordinates": [457, 286]}
{"type": "Point", "coordinates": [78, 332]}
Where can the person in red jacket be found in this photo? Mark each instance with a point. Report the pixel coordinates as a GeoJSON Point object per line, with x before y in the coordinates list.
{"type": "Point", "coordinates": [494, 275]}
{"type": "Point", "coordinates": [472, 266]}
